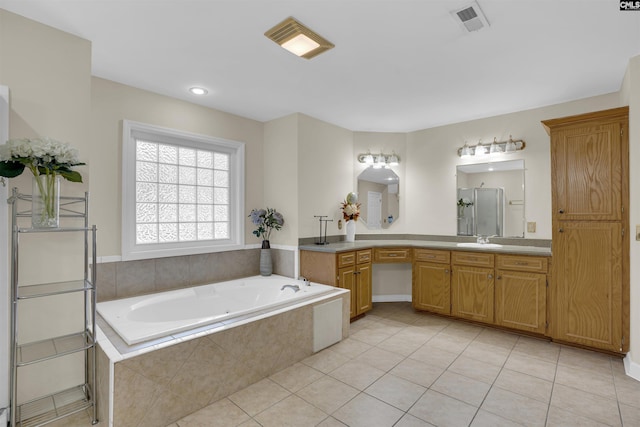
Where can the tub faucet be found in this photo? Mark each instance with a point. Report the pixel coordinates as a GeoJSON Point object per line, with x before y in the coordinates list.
{"type": "Point", "coordinates": [295, 288]}
{"type": "Point", "coordinates": [305, 280]}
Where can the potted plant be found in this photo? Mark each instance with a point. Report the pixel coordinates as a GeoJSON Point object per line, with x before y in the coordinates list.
{"type": "Point", "coordinates": [266, 221]}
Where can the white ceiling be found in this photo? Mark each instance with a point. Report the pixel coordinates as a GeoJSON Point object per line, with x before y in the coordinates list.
{"type": "Point", "coordinates": [398, 65]}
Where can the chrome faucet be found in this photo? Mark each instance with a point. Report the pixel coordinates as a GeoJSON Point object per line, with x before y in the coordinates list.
{"type": "Point", "coordinates": [305, 280]}
{"type": "Point", "coordinates": [295, 288]}
{"type": "Point", "coordinates": [482, 239]}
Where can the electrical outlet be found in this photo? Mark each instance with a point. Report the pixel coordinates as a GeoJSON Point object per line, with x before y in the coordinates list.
{"type": "Point", "coordinates": [637, 232]}
{"type": "Point", "coordinates": [531, 227]}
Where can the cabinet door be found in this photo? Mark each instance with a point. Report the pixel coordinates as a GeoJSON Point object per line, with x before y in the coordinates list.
{"type": "Point", "coordinates": [586, 171]}
{"type": "Point", "coordinates": [521, 300]}
{"type": "Point", "coordinates": [472, 293]}
{"type": "Point", "coordinates": [432, 287]}
{"type": "Point", "coordinates": [363, 288]}
{"type": "Point", "coordinates": [587, 270]}
{"type": "Point", "coordinates": [346, 280]}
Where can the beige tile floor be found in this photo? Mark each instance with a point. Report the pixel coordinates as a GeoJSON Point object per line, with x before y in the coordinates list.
{"type": "Point", "coordinates": [402, 368]}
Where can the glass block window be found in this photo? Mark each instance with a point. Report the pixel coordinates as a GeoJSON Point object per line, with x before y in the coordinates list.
{"type": "Point", "coordinates": [182, 194]}
{"type": "Point", "coordinates": [185, 193]}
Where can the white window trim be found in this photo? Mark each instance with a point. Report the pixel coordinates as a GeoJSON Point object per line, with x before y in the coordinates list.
{"type": "Point", "coordinates": [133, 251]}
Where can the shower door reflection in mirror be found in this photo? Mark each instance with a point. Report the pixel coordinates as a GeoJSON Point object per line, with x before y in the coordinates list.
{"type": "Point", "coordinates": [490, 199]}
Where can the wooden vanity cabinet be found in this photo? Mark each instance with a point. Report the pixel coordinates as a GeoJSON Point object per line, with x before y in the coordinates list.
{"type": "Point", "coordinates": [348, 270]}
{"type": "Point", "coordinates": [590, 203]}
{"type": "Point", "coordinates": [472, 286]}
{"type": "Point", "coordinates": [392, 255]}
{"type": "Point", "coordinates": [521, 292]}
{"type": "Point", "coordinates": [431, 290]}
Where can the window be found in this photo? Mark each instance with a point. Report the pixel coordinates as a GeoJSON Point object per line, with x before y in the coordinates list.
{"type": "Point", "coordinates": [182, 193]}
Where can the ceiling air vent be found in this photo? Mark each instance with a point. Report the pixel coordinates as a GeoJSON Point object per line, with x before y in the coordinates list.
{"type": "Point", "coordinates": [471, 17]}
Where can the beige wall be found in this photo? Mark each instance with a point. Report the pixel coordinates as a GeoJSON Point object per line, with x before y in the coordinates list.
{"type": "Point", "coordinates": [48, 73]}
{"type": "Point", "coordinates": [281, 172]}
{"type": "Point", "coordinates": [325, 174]}
{"type": "Point", "coordinates": [430, 189]}
{"type": "Point", "coordinates": [112, 102]}
{"type": "Point", "coordinates": [387, 143]}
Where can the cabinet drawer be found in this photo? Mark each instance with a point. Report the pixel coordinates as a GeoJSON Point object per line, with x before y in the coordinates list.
{"type": "Point", "coordinates": [363, 257]}
{"type": "Point", "coordinates": [522, 263]}
{"type": "Point", "coordinates": [382, 255]}
{"type": "Point", "coordinates": [346, 259]}
{"type": "Point", "coordinates": [475, 259]}
{"type": "Point", "coordinates": [441, 257]}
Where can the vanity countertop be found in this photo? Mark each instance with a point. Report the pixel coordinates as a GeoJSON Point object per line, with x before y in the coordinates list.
{"type": "Point", "coordinates": [427, 244]}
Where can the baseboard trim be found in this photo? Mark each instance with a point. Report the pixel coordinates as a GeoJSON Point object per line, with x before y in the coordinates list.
{"type": "Point", "coordinates": [392, 298]}
{"type": "Point", "coordinates": [631, 368]}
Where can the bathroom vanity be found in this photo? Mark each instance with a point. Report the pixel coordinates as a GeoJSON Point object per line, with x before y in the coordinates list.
{"type": "Point", "coordinates": [493, 284]}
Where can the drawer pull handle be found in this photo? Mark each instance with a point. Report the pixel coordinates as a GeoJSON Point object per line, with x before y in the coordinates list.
{"type": "Point", "coordinates": [490, 276]}
{"type": "Point", "coordinates": [431, 256]}
{"type": "Point", "coordinates": [521, 263]}
{"type": "Point", "coordinates": [393, 254]}
{"type": "Point", "coordinates": [499, 277]}
{"type": "Point", "coordinates": [446, 272]}
{"type": "Point", "coordinates": [561, 211]}
{"type": "Point", "coordinates": [561, 230]}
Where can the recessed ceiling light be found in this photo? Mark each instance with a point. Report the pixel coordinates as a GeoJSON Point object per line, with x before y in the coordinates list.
{"type": "Point", "coordinates": [298, 39]}
{"type": "Point", "coordinates": [198, 90]}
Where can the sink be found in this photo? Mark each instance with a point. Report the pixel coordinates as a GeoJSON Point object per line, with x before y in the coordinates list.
{"type": "Point", "coordinates": [478, 245]}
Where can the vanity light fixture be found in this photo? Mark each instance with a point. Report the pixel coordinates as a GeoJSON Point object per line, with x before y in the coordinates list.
{"type": "Point", "coordinates": [481, 150]}
{"type": "Point", "coordinates": [465, 151]}
{"type": "Point", "coordinates": [496, 147]}
{"type": "Point", "coordinates": [298, 39]}
{"type": "Point", "coordinates": [367, 159]}
{"type": "Point", "coordinates": [379, 160]}
{"type": "Point", "coordinates": [198, 91]}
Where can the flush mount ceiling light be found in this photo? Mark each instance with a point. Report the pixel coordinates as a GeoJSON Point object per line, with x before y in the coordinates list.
{"type": "Point", "coordinates": [298, 39]}
{"type": "Point", "coordinates": [198, 91]}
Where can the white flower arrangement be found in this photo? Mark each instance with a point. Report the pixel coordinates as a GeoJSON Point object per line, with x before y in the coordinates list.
{"type": "Point", "coordinates": [351, 207]}
{"type": "Point", "coordinates": [46, 158]}
{"type": "Point", "coordinates": [42, 156]}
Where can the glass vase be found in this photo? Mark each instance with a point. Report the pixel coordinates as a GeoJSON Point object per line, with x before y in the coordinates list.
{"type": "Point", "coordinates": [45, 201]}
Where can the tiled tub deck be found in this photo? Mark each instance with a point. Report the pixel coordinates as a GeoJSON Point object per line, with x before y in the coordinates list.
{"type": "Point", "coordinates": [155, 383]}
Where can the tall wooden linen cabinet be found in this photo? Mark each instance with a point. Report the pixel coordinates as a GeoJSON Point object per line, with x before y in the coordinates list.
{"type": "Point", "coordinates": [589, 301]}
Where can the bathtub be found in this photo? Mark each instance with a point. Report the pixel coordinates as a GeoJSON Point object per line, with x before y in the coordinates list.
{"type": "Point", "coordinates": [147, 317]}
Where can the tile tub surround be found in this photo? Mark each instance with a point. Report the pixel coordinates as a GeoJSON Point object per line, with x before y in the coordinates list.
{"type": "Point", "coordinates": [167, 380]}
{"type": "Point", "coordinates": [132, 278]}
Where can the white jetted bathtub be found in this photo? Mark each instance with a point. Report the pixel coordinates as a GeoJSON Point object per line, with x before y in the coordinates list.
{"type": "Point", "coordinates": [143, 318]}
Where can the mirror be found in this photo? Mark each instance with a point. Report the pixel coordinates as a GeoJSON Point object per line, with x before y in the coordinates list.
{"type": "Point", "coordinates": [490, 199]}
{"type": "Point", "coordinates": [378, 190]}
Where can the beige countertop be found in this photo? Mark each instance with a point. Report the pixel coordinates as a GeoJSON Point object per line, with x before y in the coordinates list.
{"type": "Point", "coordinates": [427, 244]}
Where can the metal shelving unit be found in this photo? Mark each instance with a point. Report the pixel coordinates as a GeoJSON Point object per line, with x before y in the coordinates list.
{"type": "Point", "coordinates": [52, 407]}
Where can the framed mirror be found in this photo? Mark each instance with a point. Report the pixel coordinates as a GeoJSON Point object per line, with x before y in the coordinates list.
{"type": "Point", "coordinates": [378, 190]}
{"type": "Point", "coordinates": [490, 199]}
